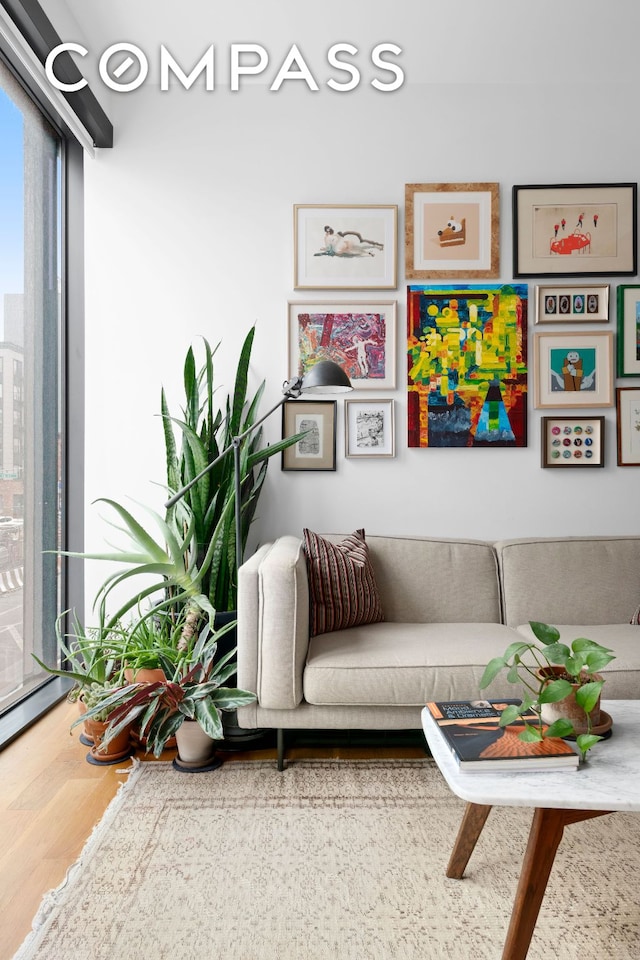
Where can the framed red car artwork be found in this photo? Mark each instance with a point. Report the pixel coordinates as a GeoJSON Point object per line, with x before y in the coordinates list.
{"type": "Point", "coordinates": [575, 229]}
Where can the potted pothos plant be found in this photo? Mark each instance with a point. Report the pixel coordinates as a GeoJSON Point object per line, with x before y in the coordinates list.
{"type": "Point", "coordinates": [562, 685]}
{"type": "Point", "coordinates": [191, 692]}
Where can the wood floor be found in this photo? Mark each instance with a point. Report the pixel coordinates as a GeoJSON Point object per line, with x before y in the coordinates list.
{"type": "Point", "coordinates": [51, 799]}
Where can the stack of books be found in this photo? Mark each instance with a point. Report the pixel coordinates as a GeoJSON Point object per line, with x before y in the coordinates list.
{"type": "Point", "coordinates": [471, 729]}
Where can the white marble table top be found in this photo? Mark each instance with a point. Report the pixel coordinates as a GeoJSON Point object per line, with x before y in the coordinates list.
{"type": "Point", "coordinates": [609, 780]}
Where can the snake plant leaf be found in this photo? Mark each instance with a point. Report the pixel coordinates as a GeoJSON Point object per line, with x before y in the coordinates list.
{"type": "Point", "coordinates": [171, 450]}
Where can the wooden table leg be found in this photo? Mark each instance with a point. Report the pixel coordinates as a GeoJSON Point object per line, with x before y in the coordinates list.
{"type": "Point", "coordinates": [544, 837]}
{"type": "Point", "coordinates": [474, 819]}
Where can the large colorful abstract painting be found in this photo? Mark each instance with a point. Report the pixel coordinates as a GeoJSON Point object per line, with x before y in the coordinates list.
{"type": "Point", "coordinates": [467, 365]}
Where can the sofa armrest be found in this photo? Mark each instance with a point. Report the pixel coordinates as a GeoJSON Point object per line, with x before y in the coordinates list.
{"type": "Point", "coordinates": [273, 623]}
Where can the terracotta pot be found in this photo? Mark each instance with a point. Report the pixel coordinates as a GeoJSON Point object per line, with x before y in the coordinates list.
{"type": "Point", "coordinates": [116, 749]}
{"type": "Point", "coordinates": [568, 709]}
{"type": "Point", "coordinates": [85, 737]}
{"type": "Point", "coordinates": [144, 675]}
{"type": "Point", "coordinates": [195, 747]}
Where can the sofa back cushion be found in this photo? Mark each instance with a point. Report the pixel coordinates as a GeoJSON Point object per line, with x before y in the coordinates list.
{"type": "Point", "coordinates": [581, 580]}
{"type": "Point", "coordinates": [429, 580]}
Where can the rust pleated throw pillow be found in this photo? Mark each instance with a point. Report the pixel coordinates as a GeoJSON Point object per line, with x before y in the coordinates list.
{"type": "Point", "coordinates": [635, 619]}
{"type": "Point", "coordinates": [342, 586]}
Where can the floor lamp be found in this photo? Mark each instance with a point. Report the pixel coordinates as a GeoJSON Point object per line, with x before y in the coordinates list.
{"type": "Point", "coordinates": [323, 377]}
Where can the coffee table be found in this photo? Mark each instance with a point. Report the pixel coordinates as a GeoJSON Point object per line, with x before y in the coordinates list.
{"type": "Point", "coordinates": [609, 781]}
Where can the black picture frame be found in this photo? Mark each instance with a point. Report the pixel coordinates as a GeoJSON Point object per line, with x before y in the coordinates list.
{"type": "Point", "coordinates": [552, 221]}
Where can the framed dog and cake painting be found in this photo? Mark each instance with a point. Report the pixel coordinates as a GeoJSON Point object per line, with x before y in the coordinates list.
{"type": "Point", "coordinates": [452, 230]}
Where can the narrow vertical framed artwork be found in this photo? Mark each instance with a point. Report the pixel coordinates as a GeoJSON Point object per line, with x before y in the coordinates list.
{"type": "Point", "coordinates": [467, 365]}
{"type": "Point", "coordinates": [359, 336]}
{"type": "Point", "coordinates": [628, 330]}
{"type": "Point", "coordinates": [343, 247]}
{"type": "Point", "coordinates": [452, 230]}
{"type": "Point", "coordinates": [369, 428]}
{"type": "Point", "coordinates": [317, 420]}
{"type": "Point", "coordinates": [628, 426]}
{"type": "Point", "coordinates": [573, 369]}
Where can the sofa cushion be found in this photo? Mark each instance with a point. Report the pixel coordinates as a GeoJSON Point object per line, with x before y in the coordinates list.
{"type": "Point", "coordinates": [404, 664]}
{"type": "Point", "coordinates": [342, 585]}
{"type": "Point", "coordinates": [574, 580]}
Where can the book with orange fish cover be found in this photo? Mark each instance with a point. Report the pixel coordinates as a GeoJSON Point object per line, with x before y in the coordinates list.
{"type": "Point", "coordinates": [472, 730]}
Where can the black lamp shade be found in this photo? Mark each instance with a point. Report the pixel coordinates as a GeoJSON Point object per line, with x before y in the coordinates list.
{"type": "Point", "coordinates": [325, 376]}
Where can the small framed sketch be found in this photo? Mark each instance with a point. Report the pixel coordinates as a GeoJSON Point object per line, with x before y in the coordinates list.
{"type": "Point", "coordinates": [452, 230]}
{"type": "Point", "coordinates": [369, 428]}
{"type": "Point", "coordinates": [563, 230]}
{"type": "Point", "coordinates": [343, 247]}
{"type": "Point", "coordinates": [316, 419]}
{"type": "Point", "coordinates": [573, 441]}
{"type": "Point", "coordinates": [566, 304]}
{"type": "Point", "coordinates": [629, 330]}
{"type": "Point", "coordinates": [573, 369]}
{"type": "Point", "coordinates": [359, 336]}
{"type": "Point", "coordinates": [628, 424]}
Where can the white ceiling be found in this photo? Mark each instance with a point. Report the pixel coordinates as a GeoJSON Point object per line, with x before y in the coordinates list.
{"type": "Point", "coordinates": [443, 41]}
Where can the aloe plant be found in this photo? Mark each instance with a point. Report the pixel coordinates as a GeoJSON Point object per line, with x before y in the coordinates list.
{"type": "Point", "coordinates": [92, 656]}
{"type": "Point", "coordinates": [205, 431]}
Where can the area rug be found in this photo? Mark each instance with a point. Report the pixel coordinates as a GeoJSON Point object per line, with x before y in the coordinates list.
{"type": "Point", "coordinates": [329, 860]}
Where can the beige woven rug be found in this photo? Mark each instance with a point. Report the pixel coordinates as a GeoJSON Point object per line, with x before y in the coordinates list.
{"type": "Point", "coordinates": [330, 860]}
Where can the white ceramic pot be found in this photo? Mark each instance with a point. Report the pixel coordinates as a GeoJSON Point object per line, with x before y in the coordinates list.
{"type": "Point", "coordinates": [194, 745]}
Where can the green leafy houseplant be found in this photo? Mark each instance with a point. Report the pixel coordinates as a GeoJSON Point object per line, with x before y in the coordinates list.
{"type": "Point", "coordinates": [193, 690]}
{"type": "Point", "coordinates": [91, 656]}
{"type": "Point", "coordinates": [205, 430]}
{"type": "Point", "coordinates": [532, 664]}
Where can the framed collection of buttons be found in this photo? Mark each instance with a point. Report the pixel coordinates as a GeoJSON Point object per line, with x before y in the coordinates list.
{"type": "Point", "coordinates": [573, 442]}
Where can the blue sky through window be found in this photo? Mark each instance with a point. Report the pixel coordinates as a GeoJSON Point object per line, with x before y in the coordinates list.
{"type": "Point", "coordinates": [11, 201]}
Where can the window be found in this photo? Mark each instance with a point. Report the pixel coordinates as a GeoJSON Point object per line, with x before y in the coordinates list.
{"type": "Point", "coordinates": [44, 135]}
{"type": "Point", "coordinates": [31, 351]}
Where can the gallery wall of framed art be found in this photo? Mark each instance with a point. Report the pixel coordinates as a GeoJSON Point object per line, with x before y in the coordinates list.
{"type": "Point", "coordinates": [470, 368]}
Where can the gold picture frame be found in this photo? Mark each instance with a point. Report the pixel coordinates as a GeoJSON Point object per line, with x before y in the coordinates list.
{"type": "Point", "coordinates": [452, 231]}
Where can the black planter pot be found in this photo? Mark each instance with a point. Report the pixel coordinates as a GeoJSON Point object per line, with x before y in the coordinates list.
{"type": "Point", "coordinates": [235, 737]}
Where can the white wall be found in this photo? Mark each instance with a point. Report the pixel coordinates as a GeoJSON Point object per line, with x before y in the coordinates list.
{"type": "Point", "coordinates": [189, 232]}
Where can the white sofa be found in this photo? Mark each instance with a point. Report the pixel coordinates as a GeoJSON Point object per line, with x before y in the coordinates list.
{"type": "Point", "coordinates": [449, 607]}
